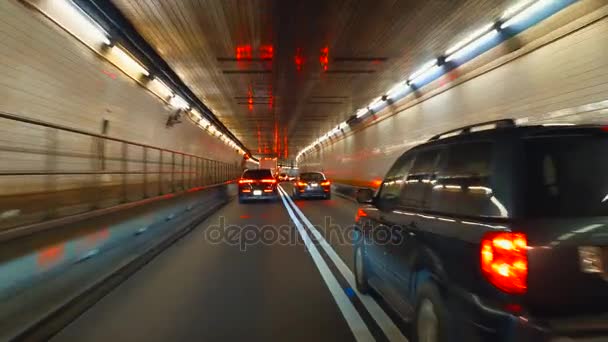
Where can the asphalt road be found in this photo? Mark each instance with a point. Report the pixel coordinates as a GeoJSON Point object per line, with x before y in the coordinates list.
{"type": "Point", "coordinates": [256, 271]}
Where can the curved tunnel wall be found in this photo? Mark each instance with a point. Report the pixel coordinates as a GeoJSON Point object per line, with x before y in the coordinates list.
{"type": "Point", "coordinates": [48, 75]}
{"type": "Point", "coordinates": [556, 69]}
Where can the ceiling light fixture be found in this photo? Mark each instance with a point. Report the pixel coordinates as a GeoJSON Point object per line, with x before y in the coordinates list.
{"type": "Point", "coordinates": [470, 38]}
{"type": "Point", "coordinates": [127, 63]}
{"type": "Point", "coordinates": [178, 102]}
{"type": "Point", "coordinates": [525, 13]}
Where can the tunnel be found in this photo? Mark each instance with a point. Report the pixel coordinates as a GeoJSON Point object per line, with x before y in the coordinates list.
{"type": "Point", "coordinates": [304, 170]}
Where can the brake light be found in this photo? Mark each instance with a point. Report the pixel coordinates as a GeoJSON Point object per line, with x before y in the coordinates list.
{"type": "Point", "coordinates": [245, 181]}
{"type": "Point", "coordinates": [504, 261]}
{"type": "Point", "coordinates": [269, 181]}
{"type": "Point", "coordinates": [605, 128]}
{"type": "Point", "coordinates": [360, 214]}
{"type": "Point", "coordinates": [301, 184]}
{"type": "Point", "coordinates": [326, 183]}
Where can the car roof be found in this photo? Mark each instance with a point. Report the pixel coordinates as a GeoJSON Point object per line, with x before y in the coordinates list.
{"type": "Point", "coordinates": [514, 132]}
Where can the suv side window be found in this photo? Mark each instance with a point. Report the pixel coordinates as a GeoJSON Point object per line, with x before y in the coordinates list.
{"type": "Point", "coordinates": [418, 180]}
{"type": "Point", "coordinates": [463, 186]}
{"type": "Point", "coordinates": [391, 186]}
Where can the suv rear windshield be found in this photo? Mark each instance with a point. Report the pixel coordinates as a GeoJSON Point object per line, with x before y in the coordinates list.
{"type": "Point", "coordinates": [257, 174]}
{"type": "Point", "coordinates": [312, 176]}
{"type": "Point", "coordinates": [568, 175]}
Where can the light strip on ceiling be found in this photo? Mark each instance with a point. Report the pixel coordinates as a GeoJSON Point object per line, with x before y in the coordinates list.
{"type": "Point", "coordinates": [128, 64]}
{"type": "Point", "coordinates": [468, 39]}
{"type": "Point", "coordinates": [178, 102]}
{"type": "Point", "coordinates": [526, 13]}
{"type": "Point", "coordinates": [472, 45]}
{"type": "Point", "coordinates": [73, 19]}
{"type": "Point", "coordinates": [520, 12]}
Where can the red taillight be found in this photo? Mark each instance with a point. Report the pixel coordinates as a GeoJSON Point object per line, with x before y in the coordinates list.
{"type": "Point", "coordinates": [326, 183]}
{"type": "Point", "coordinates": [269, 181]}
{"type": "Point", "coordinates": [504, 261]}
{"type": "Point", "coordinates": [301, 184]}
{"type": "Point", "coordinates": [360, 214]}
{"type": "Point", "coordinates": [245, 181]}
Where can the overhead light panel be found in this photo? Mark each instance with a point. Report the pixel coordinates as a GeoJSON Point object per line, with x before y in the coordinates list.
{"type": "Point", "coordinates": [526, 13]}
{"type": "Point", "coordinates": [159, 88]}
{"type": "Point", "coordinates": [178, 102]}
{"type": "Point", "coordinates": [423, 70]}
{"type": "Point", "coordinates": [76, 21]}
{"type": "Point", "coordinates": [196, 114]}
{"type": "Point", "coordinates": [473, 45]}
{"type": "Point", "coordinates": [518, 7]}
{"type": "Point", "coordinates": [377, 102]}
{"type": "Point", "coordinates": [127, 63]}
{"type": "Point", "coordinates": [361, 112]}
{"type": "Point", "coordinates": [397, 88]}
{"type": "Point", "coordinates": [474, 35]}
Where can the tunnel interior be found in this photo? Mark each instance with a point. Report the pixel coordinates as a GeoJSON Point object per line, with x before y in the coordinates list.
{"type": "Point", "coordinates": [463, 138]}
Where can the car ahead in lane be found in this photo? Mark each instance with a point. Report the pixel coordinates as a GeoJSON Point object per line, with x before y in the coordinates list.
{"type": "Point", "coordinates": [258, 184]}
{"type": "Point", "coordinates": [283, 177]}
{"type": "Point", "coordinates": [311, 184]}
{"type": "Point", "coordinates": [494, 232]}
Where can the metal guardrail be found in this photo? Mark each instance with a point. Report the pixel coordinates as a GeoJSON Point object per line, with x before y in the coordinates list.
{"type": "Point", "coordinates": [73, 181]}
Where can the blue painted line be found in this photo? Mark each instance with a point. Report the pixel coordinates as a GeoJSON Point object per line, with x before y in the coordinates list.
{"type": "Point", "coordinates": [349, 292]}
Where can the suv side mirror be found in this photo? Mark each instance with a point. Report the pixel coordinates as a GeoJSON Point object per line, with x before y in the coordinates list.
{"type": "Point", "coordinates": [365, 195]}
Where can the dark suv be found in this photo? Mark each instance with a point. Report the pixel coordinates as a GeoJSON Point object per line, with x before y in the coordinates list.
{"type": "Point", "coordinates": [493, 232]}
{"type": "Point", "coordinates": [258, 184]}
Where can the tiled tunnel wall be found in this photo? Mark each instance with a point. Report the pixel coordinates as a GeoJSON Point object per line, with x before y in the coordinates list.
{"type": "Point", "coordinates": [48, 75]}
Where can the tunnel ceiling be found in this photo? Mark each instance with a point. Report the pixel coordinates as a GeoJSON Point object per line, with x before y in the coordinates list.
{"type": "Point", "coordinates": [279, 73]}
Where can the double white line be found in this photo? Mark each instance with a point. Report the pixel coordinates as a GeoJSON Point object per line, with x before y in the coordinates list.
{"type": "Point", "coordinates": [351, 315]}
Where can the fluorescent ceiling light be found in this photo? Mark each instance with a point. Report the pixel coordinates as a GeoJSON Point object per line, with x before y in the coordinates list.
{"type": "Point", "coordinates": [526, 13]}
{"type": "Point", "coordinates": [377, 102]}
{"type": "Point", "coordinates": [473, 45]}
{"type": "Point", "coordinates": [511, 11]}
{"type": "Point", "coordinates": [423, 69]}
{"type": "Point", "coordinates": [397, 88]}
{"type": "Point", "coordinates": [196, 114]}
{"type": "Point", "coordinates": [76, 21]}
{"type": "Point", "coordinates": [474, 35]}
{"type": "Point", "coordinates": [178, 102]}
{"type": "Point", "coordinates": [343, 125]}
{"type": "Point", "coordinates": [159, 88]}
{"type": "Point", "coordinates": [128, 63]}
{"type": "Point", "coordinates": [361, 112]}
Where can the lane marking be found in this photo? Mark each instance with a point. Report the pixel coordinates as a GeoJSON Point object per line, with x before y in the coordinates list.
{"type": "Point", "coordinates": [389, 328]}
{"type": "Point", "coordinates": [350, 313]}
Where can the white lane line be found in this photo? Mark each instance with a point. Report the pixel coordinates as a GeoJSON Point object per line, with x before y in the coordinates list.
{"type": "Point", "coordinates": [385, 323]}
{"type": "Point", "coordinates": [351, 315]}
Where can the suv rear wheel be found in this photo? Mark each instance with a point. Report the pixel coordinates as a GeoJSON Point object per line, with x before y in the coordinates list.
{"type": "Point", "coordinates": [431, 320]}
{"type": "Point", "coordinates": [361, 269]}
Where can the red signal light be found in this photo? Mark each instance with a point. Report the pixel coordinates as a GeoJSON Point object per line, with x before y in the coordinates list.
{"type": "Point", "coordinates": [504, 261]}
{"type": "Point", "coordinates": [299, 59]}
{"type": "Point", "coordinates": [326, 183]}
{"type": "Point", "coordinates": [245, 181]}
{"type": "Point", "coordinates": [243, 52]}
{"type": "Point", "coordinates": [324, 58]}
{"type": "Point", "coordinates": [269, 181]}
{"type": "Point", "coordinates": [266, 52]}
